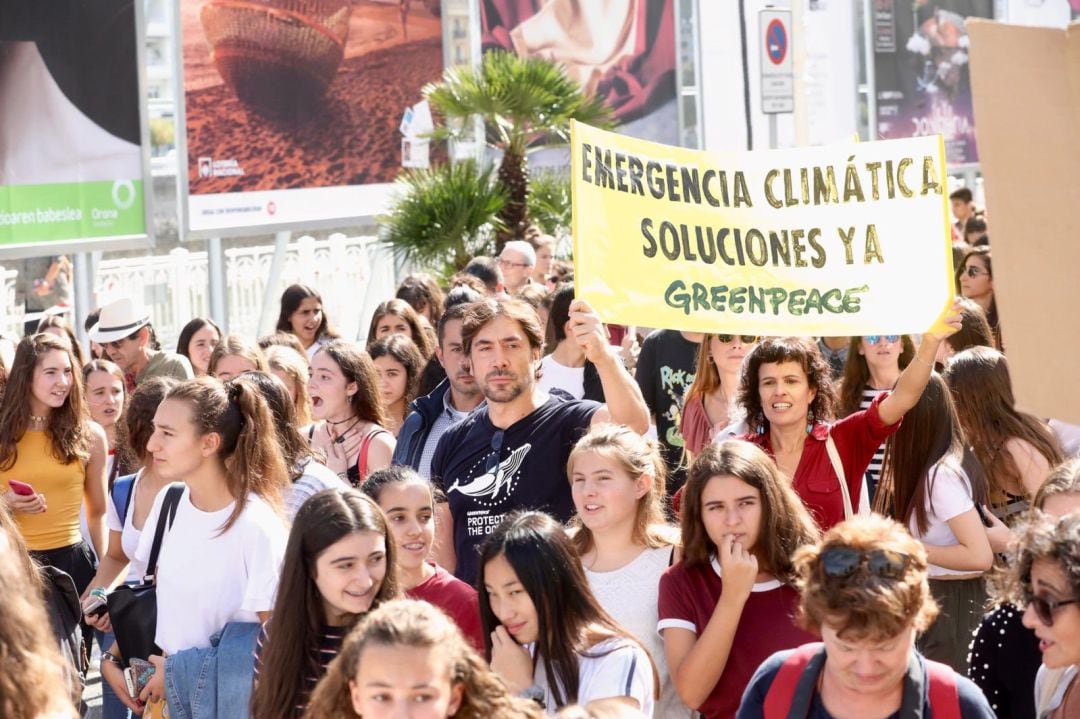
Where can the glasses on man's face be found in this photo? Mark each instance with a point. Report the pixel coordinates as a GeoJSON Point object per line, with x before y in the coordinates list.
{"type": "Point", "coordinates": [842, 562]}
{"type": "Point", "coordinates": [1045, 608]}
{"type": "Point", "coordinates": [496, 451]}
{"type": "Point", "coordinates": [973, 271]}
{"type": "Point", "coordinates": [508, 263]}
{"type": "Point", "coordinates": [117, 344]}
{"type": "Point", "coordinates": [874, 339]}
{"type": "Point", "coordinates": [746, 339]}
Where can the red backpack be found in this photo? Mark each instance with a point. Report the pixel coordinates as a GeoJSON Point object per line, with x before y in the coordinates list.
{"type": "Point", "coordinates": [943, 694]}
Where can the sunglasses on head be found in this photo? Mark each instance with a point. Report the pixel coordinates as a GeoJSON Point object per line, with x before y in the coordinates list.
{"type": "Point", "coordinates": [1045, 608]}
{"type": "Point", "coordinates": [874, 339]}
{"type": "Point", "coordinates": [842, 562]}
{"type": "Point", "coordinates": [973, 271]}
{"type": "Point", "coordinates": [746, 339]}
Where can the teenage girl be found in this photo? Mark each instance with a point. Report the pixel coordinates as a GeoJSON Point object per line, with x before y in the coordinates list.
{"type": "Point", "coordinates": [728, 605]}
{"type": "Point", "coordinates": [407, 658]}
{"type": "Point", "coordinates": [339, 565]}
{"type": "Point", "coordinates": [233, 356]}
{"type": "Point", "coordinates": [408, 500]}
{"type": "Point", "coordinates": [302, 315]}
{"type": "Point", "coordinates": [399, 364]}
{"type": "Point", "coordinates": [547, 637]}
{"type": "Point", "coordinates": [625, 543]}
{"type": "Point", "coordinates": [398, 317]}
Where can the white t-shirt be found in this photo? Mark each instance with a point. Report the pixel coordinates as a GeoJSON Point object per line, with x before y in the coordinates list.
{"type": "Point", "coordinates": [206, 579]}
{"type": "Point", "coordinates": [129, 534]}
{"type": "Point", "coordinates": [315, 478]}
{"type": "Point", "coordinates": [949, 493]}
{"type": "Point", "coordinates": [614, 668]}
{"type": "Point", "coordinates": [630, 595]}
{"type": "Point", "coordinates": [568, 379]}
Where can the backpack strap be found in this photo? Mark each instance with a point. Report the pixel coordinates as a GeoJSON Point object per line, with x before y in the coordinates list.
{"type": "Point", "coordinates": [361, 460]}
{"type": "Point", "coordinates": [943, 694]}
{"type": "Point", "coordinates": [121, 494]}
{"type": "Point", "coordinates": [166, 516]}
{"type": "Point", "coordinates": [793, 686]}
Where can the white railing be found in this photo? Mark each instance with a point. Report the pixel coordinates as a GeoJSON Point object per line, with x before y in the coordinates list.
{"type": "Point", "coordinates": [353, 274]}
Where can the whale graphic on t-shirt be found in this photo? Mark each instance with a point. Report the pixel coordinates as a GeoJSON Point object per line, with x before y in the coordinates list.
{"type": "Point", "coordinates": [490, 483]}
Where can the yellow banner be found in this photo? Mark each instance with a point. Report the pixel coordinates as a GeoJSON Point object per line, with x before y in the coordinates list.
{"type": "Point", "coordinates": [849, 239]}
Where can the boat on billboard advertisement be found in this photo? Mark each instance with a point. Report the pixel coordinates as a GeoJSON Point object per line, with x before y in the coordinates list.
{"type": "Point", "coordinates": [72, 163]}
{"type": "Point", "coordinates": [292, 108]}
{"type": "Point", "coordinates": [923, 82]}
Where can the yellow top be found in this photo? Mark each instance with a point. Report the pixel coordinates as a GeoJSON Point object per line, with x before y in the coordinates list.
{"type": "Point", "coordinates": [62, 485]}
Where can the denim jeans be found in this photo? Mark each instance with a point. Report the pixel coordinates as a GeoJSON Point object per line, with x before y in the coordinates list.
{"type": "Point", "coordinates": [214, 682]}
{"type": "Point", "coordinates": [111, 706]}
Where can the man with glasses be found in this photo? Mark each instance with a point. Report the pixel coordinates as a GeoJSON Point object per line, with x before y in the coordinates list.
{"type": "Point", "coordinates": [517, 261]}
{"type": "Point", "coordinates": [511, 455]}
{"type": "Point", "coordinates": [125, 334]}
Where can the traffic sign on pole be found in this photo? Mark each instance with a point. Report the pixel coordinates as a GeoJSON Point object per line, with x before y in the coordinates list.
{"type": "Point", "coordinates": [777, 74]}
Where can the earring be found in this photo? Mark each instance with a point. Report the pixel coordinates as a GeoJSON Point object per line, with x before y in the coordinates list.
{"type": "Point", "coordinates": [809, 421]}
{"type": "Point", "coordinates": [760, 423]}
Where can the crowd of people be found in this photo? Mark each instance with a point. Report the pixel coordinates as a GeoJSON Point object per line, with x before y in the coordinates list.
{"type": "Point", "coordinates": [498, 506]}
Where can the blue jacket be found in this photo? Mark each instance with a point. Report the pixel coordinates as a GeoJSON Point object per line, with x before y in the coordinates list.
{"type": "Point", "coordinates": [214, 682]}
{"type": "Point", "coordinates": [423, 411]}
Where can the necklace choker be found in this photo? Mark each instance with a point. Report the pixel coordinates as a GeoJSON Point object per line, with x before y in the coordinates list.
{"type": "Point", "coordinates": [343, 421]}
{"type": "Point", "coordinates": [39, 420]}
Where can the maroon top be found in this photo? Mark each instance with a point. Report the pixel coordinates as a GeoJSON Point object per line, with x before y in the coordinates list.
{"type": "Point", "coordinates": [457, 599]}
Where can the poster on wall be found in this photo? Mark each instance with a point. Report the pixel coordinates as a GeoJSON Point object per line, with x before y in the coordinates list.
{"type": "Point", "coordinates": [72, 164]}
{"type": "Point", "coordinates": [292, 108]}
{"type": "Point", "coordinates": [921, 71]}
{"type": "Point", "coordinates": [621, 50]}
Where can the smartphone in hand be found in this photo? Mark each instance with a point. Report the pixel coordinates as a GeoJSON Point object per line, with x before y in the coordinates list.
{"type": "Point", "coordinates": [137, 675]}
{"type": "Point", "coordinates": [21, 488]}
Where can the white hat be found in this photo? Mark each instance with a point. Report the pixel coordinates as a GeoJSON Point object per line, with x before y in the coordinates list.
{"type": "Point", "coordinates": [119, 319]}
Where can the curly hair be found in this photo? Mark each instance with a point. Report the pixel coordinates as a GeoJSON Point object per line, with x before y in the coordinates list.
{"type": "Point", "coordinates": [69, 425]}
{"type": "Point", "coordinates": [1044, 537]}
{"type": "Point", "coordinates": [864, 605]}
{"type": "Point", "coordinates": [133, 433]}
{"type": "Point", "coordinates": [786, 349]}
{"type": "Point", "coordinates": [418, 625]}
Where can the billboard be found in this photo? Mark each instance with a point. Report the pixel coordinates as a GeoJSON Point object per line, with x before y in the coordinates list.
{"type": "Point", "coordinates": [621, 50]}
{"type": "Point", "coordinates": [921, 71]}
{"type": "Point", "coordinates": [293, 108]}
{"type": "Point", "coordinates": [72, 164]}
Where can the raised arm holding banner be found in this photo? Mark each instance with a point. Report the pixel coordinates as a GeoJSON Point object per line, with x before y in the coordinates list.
{"type": "Point", "coordinates": [846, 239]}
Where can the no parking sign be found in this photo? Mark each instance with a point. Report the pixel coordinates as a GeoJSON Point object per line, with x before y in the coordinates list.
{"type": "Point", "coordinates": [777, 75]}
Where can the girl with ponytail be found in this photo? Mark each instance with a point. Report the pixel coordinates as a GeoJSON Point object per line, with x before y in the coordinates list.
{"type": "Point", "coordinates": [221, 556]}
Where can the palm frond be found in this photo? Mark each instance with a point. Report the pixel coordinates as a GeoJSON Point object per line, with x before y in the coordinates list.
{"type": "Point", "coordinates": [549, 201]}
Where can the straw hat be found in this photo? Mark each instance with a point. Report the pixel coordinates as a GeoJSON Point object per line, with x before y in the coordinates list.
{"type": "Point", "coordinates": [119, 319]}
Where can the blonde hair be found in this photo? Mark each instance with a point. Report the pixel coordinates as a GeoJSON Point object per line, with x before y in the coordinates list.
{"type": "Point", "coordinates": [416, 624]}
{"type": "Point", "coordinates": [295, 366]}
{"type": "Point", "coordinates": [636, 456]}
{"type": "Point", "coordinates": [231, 345]}
{"type": "Point", "coordinates": [864, 605]}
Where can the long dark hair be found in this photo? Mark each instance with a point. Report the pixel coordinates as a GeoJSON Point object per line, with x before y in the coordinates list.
{"type": "Point", "coordinates": [570, 619]}
{"type": "Point", "coordinates": [295, 447]}
{"type": "Point", "coordinates": [357, 367]}
{"type": "Point", "coordinates": [857, 373]}
{"type": "Point", "coordinates": [786, 524]}
{"type": "Point", "coordinates": [291, 654]}
{"type": "Point", "coordinates": [983, 252]}
{"type": "Point", "coordinates": [786, 349]}
{"type": "Point", "coordinates": [64, 326]}
{"type": "Point", "coordinates": [183, 345]}
{"type": "Point", "coordinates": [290, 303]}
{"type": "Point", "coordinates": [402, 309]}
{"type": "Point", "coordinates": [133, 433]}
{"type": "Point", "coordinates": [929, 437]}
{"type": "Point", "coordinates": [68, 429]}
{"type": "Point", "coordinates": [982, 391]}
{"type": "Point", "coordinates": [250, 454]}
{"type": "Point", "coordinates": [405, 352]}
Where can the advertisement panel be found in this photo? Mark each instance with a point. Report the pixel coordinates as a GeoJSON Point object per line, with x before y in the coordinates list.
{"type": "Point", "coordinates": [72, 165]}
{"type": "Point", "coordinates": [621, 50]}
{"type": "Point", "coordinates": [293, 108]}
{"type": "Point", "coordinates": [921, 71]}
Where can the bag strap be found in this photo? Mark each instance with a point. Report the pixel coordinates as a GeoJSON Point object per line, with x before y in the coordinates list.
{"type": "Point", "coordinates": [838, 467]}
{"type": "Point", "coordinates": [791, 679]}
{"type": "Point", "coordinates": [365, 444]}
{"type": "Point", "coordinates": [166, 515]}
{"type": "Point", "coordinates": [121, 494]}
{"type": "Point", "coordinates": [943, 694]}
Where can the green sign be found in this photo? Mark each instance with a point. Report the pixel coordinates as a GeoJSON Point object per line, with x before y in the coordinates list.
{"type": "Point", "coordinates": [58, 212]}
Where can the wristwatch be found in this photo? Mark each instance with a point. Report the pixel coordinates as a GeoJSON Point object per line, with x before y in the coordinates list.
{"type": "Point", "coordinates": [110, 657]}
{"type": "Point", "coordinates": [536, 693]}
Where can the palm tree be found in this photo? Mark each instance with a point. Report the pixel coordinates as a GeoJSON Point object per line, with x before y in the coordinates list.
{"type": "Point", "coordinates": [444, 215]}
{"type": "Point", "coordinates": [522, 101]}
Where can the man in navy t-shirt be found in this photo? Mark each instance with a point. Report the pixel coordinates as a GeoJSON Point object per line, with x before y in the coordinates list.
{"type": "Point", "coordinates": [512, 454]}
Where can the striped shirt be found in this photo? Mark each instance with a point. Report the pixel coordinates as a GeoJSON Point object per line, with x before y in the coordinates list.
{"type": "Point", "coordinates": [873, 472]}
{"type": "Point", "coordinates": [328, 646]}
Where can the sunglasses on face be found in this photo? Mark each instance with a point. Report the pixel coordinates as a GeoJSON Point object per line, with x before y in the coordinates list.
{"type": "Point", "coordinates": [746, 339]}
{"type": "Point", "coordinates": [874, 339]}
{"type": "Point", "coordinates": [973, 271]}
{"type": "Point", "coordinates": [1045, 608]}
{"type": "Point", "coordinates": [842, 562]}
{"type": "Point", "coordinates": [117, 344]}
